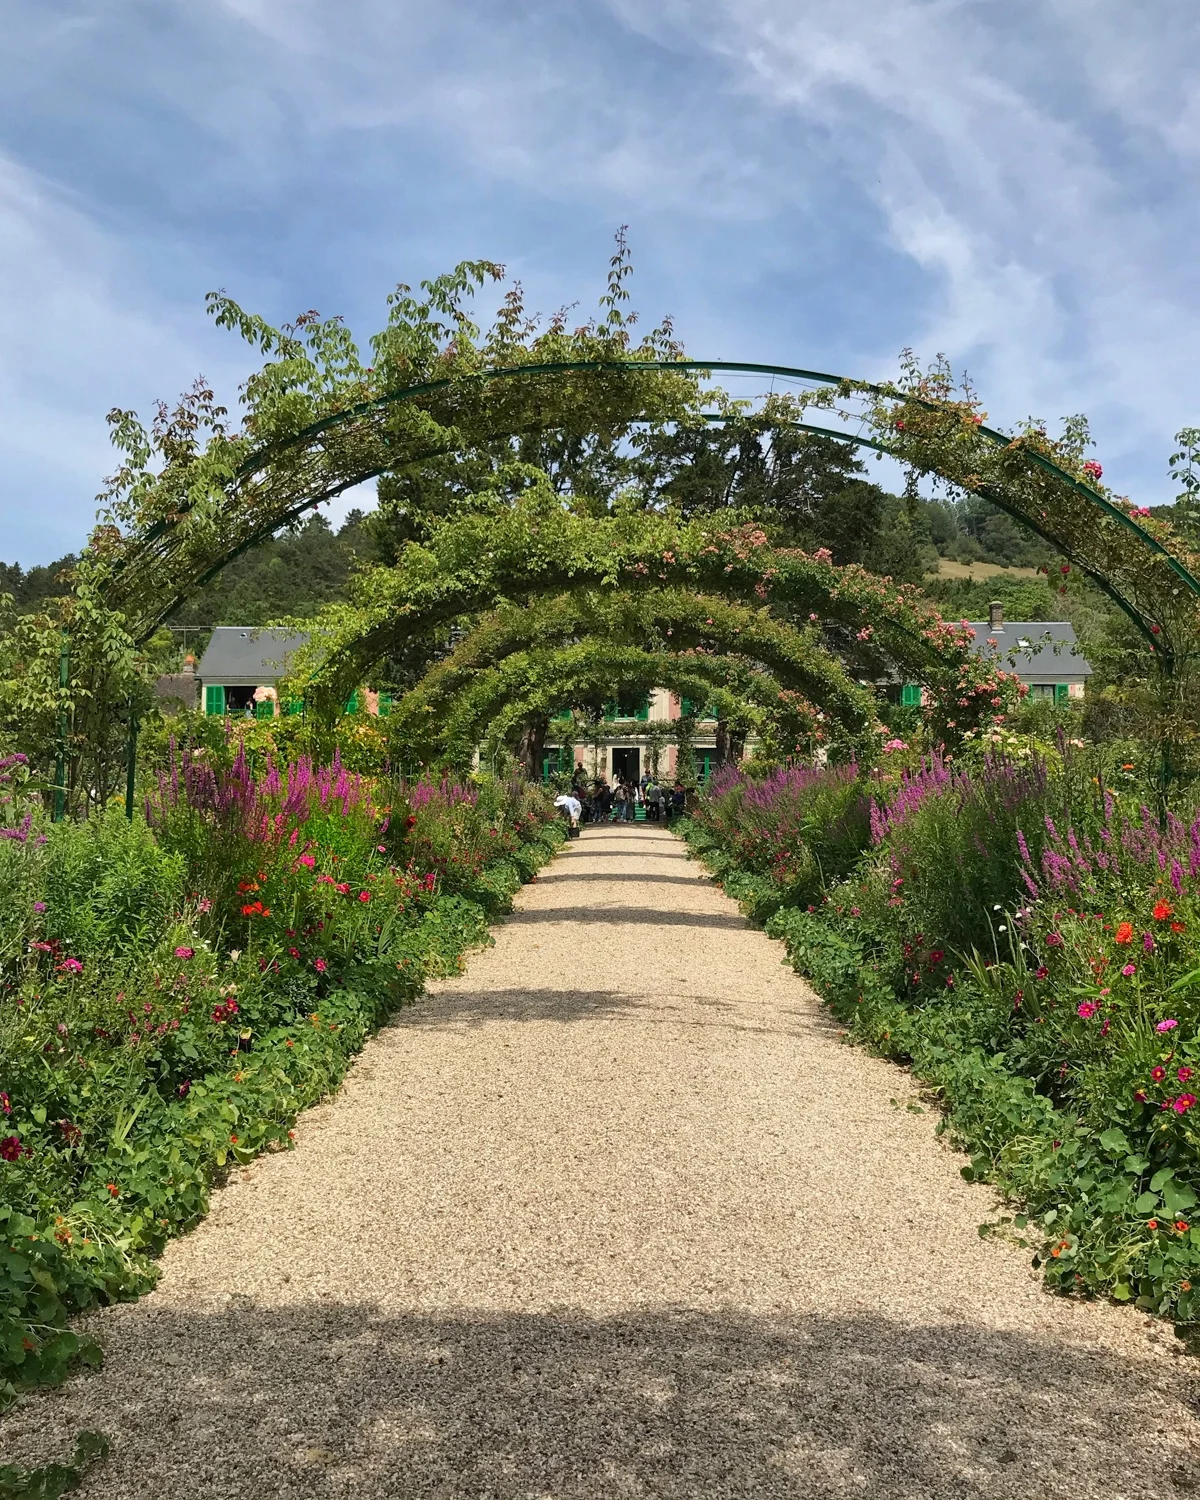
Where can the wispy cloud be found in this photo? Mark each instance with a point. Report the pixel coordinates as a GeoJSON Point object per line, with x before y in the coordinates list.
{"type": "Point", "coordinates": [1010, 183]}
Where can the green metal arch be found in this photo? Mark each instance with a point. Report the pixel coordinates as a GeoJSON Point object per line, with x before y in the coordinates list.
{"type": "Point", "coordinates": [268, 454]}
{"type": "Point", "coordinates": [791, 656]}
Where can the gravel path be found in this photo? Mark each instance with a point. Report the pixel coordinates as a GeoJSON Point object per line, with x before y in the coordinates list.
{"type": "Point", "coordinates": [616, 1214]}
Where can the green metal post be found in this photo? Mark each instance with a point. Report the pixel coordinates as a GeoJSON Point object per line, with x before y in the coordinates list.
{"type": "Point", "coordinates": [131, 761]}
{"type": "Point", "coordinates": [60, 763]}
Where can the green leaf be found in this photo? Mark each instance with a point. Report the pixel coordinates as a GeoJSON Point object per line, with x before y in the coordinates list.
{"type": "Point", "coordinates": [1163, 1175]}
{"type": "Point", "coordinates": [1177, 1197]}
{"type": "Point", "coordinates": [1147, 1203]}
{"type": "Point", "coordinates": [1114, 1140]}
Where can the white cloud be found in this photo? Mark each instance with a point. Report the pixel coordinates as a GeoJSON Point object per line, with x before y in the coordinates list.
{"type": "Point", "coordinates": [1001, 153]}
{"type": "Point", "coordinates": [81, 336]}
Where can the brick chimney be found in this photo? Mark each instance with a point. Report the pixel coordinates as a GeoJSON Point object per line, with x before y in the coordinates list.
{"type": "Point", "coordinates": [995, 615]}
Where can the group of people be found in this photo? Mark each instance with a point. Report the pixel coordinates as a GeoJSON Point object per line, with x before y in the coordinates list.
{"type": "Point", "coordinates": [601, 803]}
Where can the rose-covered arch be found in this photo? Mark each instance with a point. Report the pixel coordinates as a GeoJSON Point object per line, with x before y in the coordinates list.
{"type": "Point", "coordinates": [472, 565]}
{"type": "Point", "coordinates": [494, 706]}
{"type": "Point", "coordinates": [324, 434]}
{"type": "Point", "coordinates": [669, 622]}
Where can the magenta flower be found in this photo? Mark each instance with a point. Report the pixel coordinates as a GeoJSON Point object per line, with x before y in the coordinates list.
{"type": "Point", "coordinates": [1054, 940]}
{"type": "Point", "coordinates": [307, 861]}
{"type": "Point", "coordinates": [1183, 1074]}
{"type": "Point", "coordinates": [185, 953]}
{"type": "Point", "coordinates": [39, 907]}
{"type": "Point", "coordinates": [1183, 1103]}
{"type": "Point", "coordinates": [1041, 972]}
{"type": "Point", "coordinates": [320, 965]}
{"type": "Point", "coordinates": [73, 966]}
{"type": "Point", "coordinates": [1148, 941]}
{"type": "Point", "coordinates": [1129, 970]}
{"type": "Point", "coordinates": [1087, 1010]}
{"type": "Point", "coordinates": [1167, 1025]}
{"type": "Point", "coordinates": [11, 1148]}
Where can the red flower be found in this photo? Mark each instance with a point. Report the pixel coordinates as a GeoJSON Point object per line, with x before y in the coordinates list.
{"type": "Point", "coordinates": [1158, 1074]}
{"type": "Point", "coordinates": [11, 1148]}
{"type": "Point", "coordinates": [364, 896]}
{"type": "Point", "coordinates": [113, 1189]}
{"type": "Point", "coordinates": [1163, 910]}
{"type": "Point", "coordinates": [1178, 926]}
{"type": "Point", "coordinates": [1124, 933]}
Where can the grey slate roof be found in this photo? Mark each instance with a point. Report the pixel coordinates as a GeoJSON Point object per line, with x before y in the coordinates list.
{"type": "Point", "coordinates": [246, 656]}
{"type": "Point", "coordinates": [1040, 660]}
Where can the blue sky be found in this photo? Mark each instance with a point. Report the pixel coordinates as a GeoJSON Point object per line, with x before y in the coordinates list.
{"type": "Point", "coordinates": [1011, 182]}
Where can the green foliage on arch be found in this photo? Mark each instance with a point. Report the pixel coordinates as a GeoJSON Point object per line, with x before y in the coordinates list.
{"type": "Point", "coordinates": [537, 548]}
{"type": "Point", "coordinates": [693, 629]}
{"type": "Point", "coordinates": [491, 708]}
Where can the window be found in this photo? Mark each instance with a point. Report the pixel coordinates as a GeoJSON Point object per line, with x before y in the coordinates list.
{"type": "Point", "coordinates": [264, 708]}
{"type": "Point", "coordinates": [1062, 692]}
{"type": "Point", "coordinates": [557, 760]}
{"type": "Point", "coordinates": [214, 698]}
{"type": "Point", "coordinates": [629, 708]}
{"type": "Point", "coordinates": [385, 704]}
{"type": "Point", "coordinates": [910, 695]}
{"type": "Point", "coordinates": [694, 706]}
{"type": "Point", "coordinates": [352, 702]}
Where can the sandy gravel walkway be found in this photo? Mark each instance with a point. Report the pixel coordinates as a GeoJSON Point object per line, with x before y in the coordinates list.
{"type": "Point", "coordinates": [615, 1214]}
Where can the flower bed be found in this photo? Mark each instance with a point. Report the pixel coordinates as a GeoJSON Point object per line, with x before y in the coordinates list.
{"type": "Point", "coordinates": [1029, 941]}
{"type": "Point", "coordinates": [174, 990]}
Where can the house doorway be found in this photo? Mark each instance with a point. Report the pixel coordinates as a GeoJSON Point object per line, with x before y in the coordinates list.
{"type": "Point", "coordinates": [626, 765]}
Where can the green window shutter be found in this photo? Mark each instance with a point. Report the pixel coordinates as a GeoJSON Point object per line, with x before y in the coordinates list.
{"type": "Point", "coordinates": [352, 702]}
{"type": "Point", "coordinates": [643, 710]}
{"type": "Point", "coordinates": [293, 706]}
{"type": "Point", "coordinates": [385, 704]}
{"type": "Point", "coordinates": [910, 695]}
{"type": "Point", "coordinates": [686, 707]}
{"type": "Point", "coordinates": [264, 709]}
{"type": "Point", "coordinates": [214, 698]}
{"type": "Point", "coordinates": [1062, 692]}
{"type": "Point", "coordinates": [610, 710]}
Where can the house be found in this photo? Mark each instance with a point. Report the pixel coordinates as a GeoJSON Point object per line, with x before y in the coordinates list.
{"type": "Point", "coordinates": [636, 740]}
{"type": "Point", "coordinates": [1043, 653]}
{"type": "Point", "coordinates": [240, 668]}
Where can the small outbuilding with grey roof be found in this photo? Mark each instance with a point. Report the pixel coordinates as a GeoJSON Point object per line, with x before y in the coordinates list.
{"type": "Point", "coordinates": [241, 666]}
{"type": "Point", "coordinates": [1044, 654]}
